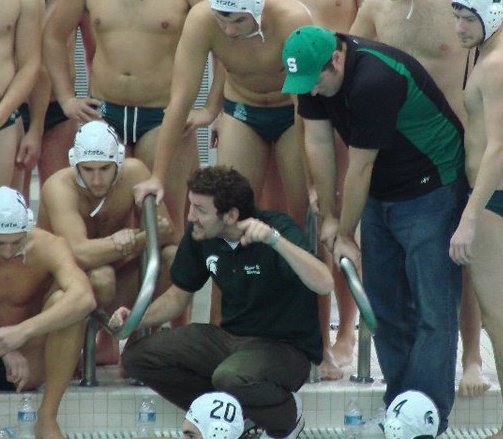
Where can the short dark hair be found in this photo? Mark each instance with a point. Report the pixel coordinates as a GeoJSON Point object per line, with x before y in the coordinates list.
{"type": "Point", "coordinates": [227, 187]}
{"type": "Point", "coordinates": [338, 47]}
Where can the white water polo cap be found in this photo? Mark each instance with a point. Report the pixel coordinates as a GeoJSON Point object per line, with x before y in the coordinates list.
{"type": "Point", "coordinates": [489, 12]}
{"type": "Point", "coordinates": [410, 415]}
{"type": "Point", "coordinates": [217, 415]}
{"type": "Point", "coordinates": [15, 217]}
{"type": "Point", "coordinates": [253, 7]}
{"type": "Point", "coordinates": [96, 141]}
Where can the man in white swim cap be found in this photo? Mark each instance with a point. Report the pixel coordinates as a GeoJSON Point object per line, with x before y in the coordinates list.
{"type": "Point", "coordinates": [478, 239]}
{"type": "Point", "coordinates": [488, 12]}
{"type": "Point", "coordinates": [15, 217]}
{"type": "Point", "coordinates": [215, 415]}
{"type": "Point", "coordinates": [91, 204]}
{"type": "Point", "coordinates": [411, 415]}
{"type": "Point", "coordinates": [253, 7]}
{"type": "Point", "coordinates": [43, 303]}
{"type": "Point", "coordinates": [131, 79]}
{"type": "Point", "coordinates": [96, 141]}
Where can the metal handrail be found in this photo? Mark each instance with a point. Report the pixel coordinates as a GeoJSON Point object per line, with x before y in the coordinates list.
{"type": "Point", "coordinates": [150, 268]}
{"type": "Point", "coordinates": [364, 334]}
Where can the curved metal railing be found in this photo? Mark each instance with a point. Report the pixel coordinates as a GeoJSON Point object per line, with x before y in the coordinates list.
{"type": "Point", "coordinates": [150, 268]}
{"type": "Point", "coordinates": [353, 281]}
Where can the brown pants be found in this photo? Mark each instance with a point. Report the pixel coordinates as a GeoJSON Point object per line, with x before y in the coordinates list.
{"type": "Point", "coordinates": [183, 363]}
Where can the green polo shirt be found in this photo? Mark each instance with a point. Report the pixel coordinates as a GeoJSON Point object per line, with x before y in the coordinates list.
{"type": "Point", "coordinates": [261, 295]}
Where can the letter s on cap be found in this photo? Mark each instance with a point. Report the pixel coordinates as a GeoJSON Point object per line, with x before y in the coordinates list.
{"type": "Point", "coordinates": [292, 65]}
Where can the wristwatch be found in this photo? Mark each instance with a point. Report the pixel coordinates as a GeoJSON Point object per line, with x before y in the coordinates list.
{"type": "Point", "coordinates": [274, 238]}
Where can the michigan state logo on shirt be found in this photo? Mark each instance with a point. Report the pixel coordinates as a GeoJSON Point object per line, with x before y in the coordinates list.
{"type": "Point", "coordinates": [211, 264]}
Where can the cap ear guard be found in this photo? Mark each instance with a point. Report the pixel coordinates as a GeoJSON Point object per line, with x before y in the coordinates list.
{"type": "Point", "coordinates": [121, 155]}
{"type": "Point", "coordinates": [71, 157]}
{"type": "Point", "coordinates": [31, 220]}
{"type": "Point", "coordinates": [218, 430]}
{"type": "Point", "coordinates": [393, 429]}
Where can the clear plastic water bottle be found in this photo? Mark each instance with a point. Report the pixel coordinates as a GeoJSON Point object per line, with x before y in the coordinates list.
{"type": "Point", "coordinates": [145, 423]}
{"type": "Point", "coordinates": [26, 418]}
{"type": "Point", "coordinates": [373, 428]}
{"type": "Point", "coordinates": [353, 419]}
{"type": "Point", "coordinates": [8, 433]}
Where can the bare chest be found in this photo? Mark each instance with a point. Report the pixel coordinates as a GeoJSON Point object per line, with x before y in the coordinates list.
{"type": "Point", "coordinates": [427, 33]}
{"type": "Point", "coordinates": [115, 214]}
{"type": "Point", "coordinates": [147, 16]}
{"type": "Point", "coordinates": [336, 15]}
{"type": "Point", "coordinates": [22, 291]}
{"type": "Point", "coordinates": [10, 11]}
{"type": "Point", "coordinates": [247, 58]}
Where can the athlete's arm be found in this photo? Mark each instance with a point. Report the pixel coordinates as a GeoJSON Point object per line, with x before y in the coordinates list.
{"type": "Point", "coordinates": [490, 173]}
{"type": "Point", "coordinates": [52, 254]}
{"type": "Point", "coordinates": [364, 25]}
{"type": "Point", "coordinates": [320, 152]}
{"type": "Point", "coordinates": [60, 26]}
{"type": "Point", "coordinates": [190, 60]}
{"type": "Point", "coordinates": [61, 205]}
{"type": "Point", "coordinates": [27, 55]}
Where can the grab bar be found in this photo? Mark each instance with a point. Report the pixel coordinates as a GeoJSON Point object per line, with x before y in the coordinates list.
{"type": "Point", "coordinates": [150, 268]}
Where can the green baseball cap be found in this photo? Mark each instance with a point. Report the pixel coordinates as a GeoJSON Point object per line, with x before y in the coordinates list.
{"type": "Point", "coordinates": [305, 52]}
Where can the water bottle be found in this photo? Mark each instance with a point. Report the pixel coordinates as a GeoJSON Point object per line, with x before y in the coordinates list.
{"type": "Point", "coordinates": [8, 433]}
{"type": "Point", "coordinates": [373, 428]}
{"type": "Point", "coordinates": [145, 422]}
{"type": "Point", "coordinates": [353, 419]}
{"type": "Point", "coordinates": [26, 418]}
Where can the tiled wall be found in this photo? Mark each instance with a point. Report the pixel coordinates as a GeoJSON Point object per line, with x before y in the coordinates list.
{"type": "Point", "coordinates": [101, 409]}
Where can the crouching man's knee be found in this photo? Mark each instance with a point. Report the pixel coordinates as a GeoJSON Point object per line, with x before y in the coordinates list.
{"type": "Point", "coordinates": [103, 281]}
{"type": "Point", "coordinates": [228, 379]}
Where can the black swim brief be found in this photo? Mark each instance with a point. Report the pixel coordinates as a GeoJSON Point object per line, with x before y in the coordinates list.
{"type": "Point", "coordinates": [268, 122]}
{"type": "Point", "coordinates": [53, 116]}
{"type": "Point", "coordinates": [131, 123]}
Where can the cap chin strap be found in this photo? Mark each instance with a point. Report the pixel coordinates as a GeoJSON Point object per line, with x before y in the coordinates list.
{"type": "Point", "coordinates": [22, 252]}
{"type": "Point", "coordinates": [98, 207]}
{"type": "Point", "coordinates": [257, 32]}
{"type": "Point", "coordinates": [411, 10]}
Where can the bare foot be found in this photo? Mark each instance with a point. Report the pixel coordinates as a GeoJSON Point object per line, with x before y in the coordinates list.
{"type": "Point", "coordinates": [328, 369]}
{"type": "Point", "coordinates": [48, 428]}
{"type": "Point", "coordinates": [342, 352]}
{"type": "Point", "coordinates": [473, 383]}
{"type": "Point", "coordinates": [107, 349]}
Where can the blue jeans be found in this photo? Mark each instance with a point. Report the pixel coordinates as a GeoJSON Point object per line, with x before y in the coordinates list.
{"type": "Point", "coordinates": [415, 291]}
